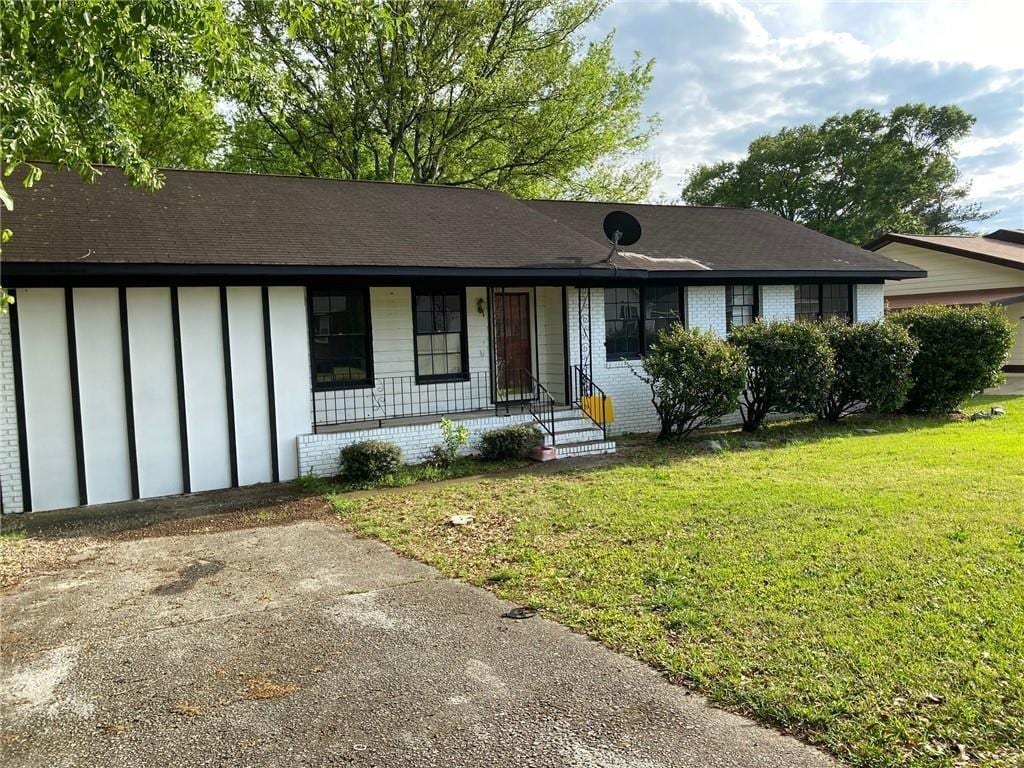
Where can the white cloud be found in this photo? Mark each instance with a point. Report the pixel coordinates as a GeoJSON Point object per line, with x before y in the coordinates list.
{"type": "Point", "coordinates": [727, 72]}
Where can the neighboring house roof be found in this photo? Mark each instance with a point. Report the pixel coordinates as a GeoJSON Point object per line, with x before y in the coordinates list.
{"type": "Point", "coordinates": [204, 223]}
{"type": "Point", "coordinates": [1004, 247]}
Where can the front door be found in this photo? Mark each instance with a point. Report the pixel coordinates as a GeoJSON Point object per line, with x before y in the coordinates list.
{"type": "Point", "coordinates": [513, 353]}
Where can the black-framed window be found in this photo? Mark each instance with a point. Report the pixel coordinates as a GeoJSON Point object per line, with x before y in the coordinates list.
{"type": "Point", "coordinates": [820, 301]}
{"type": "Point", "coordinates": [837, 301]}
{"type": "Point", "coordinates": [663, 307]}
{"type": "Point", "coordinates": [633, 316]}
{"type": "Point", "coordinates": [439, 335]}
{"type": "Point", "coordinates": [341, 348]}
{"type": "Point", "coordinates": [741, 305]}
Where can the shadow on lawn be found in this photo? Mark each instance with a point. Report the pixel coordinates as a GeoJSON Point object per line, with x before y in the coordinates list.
{"type": "Point", "coordinates": [638, 447]}
{"type": "Point", "coordinates": [271, 503]}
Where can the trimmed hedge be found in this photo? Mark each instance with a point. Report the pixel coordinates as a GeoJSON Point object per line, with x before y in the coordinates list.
{"type": "Point", "coordinates": [790, 368]}
{"type": "Point", "coordinates": [512, 442]}
{"type": "Point", "coordinates": [370, 461]}
{"type": "Point", "coordinates": [961, 351]}
{"type": "Point", "coordinates": [872, 368]}
{"type": "Point", "coordinates": [695, 379]}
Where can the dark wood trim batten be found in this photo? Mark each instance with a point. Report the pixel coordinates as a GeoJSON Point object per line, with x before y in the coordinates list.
{"type": "Point", "coordinates": [268, 347]}
{"type": "Point", "coordinates": [179, 369]}
{"type": "Point", "coordinates": [129, 397]}
{"type": "Point", "coordinates": [76, 397]}
{"type": "Point", "coordinates": [229, 387]}
{"type": "Point", "coordinates": [19, 406]}
{"type": "Point", "coordinates": [566, 363]}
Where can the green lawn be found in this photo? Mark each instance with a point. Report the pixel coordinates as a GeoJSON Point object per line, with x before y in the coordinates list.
{"type": "Point", "coordinates": [864, 591]}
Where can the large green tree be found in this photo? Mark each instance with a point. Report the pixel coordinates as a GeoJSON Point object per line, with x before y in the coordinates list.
{"type": "Point", "coordinates": [501, 94]}
{"type": "Point", "coordinates": [85, 82]}
{"type": "Point", "coordinates": [855, 176]}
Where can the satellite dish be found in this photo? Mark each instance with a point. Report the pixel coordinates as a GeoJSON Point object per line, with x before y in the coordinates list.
{"type": "Point", "coordinates": [621, 228]}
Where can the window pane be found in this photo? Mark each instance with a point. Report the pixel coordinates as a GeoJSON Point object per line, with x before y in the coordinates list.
{"type": "Point", "coordinates": [661, 306]}
{"type": "Point", "coordinates": [806, 307]}
{"type": "Point", "coordinates": [835, 301]}
{"type": "Point", "coordinates": [740, 305]}
{"type": "Point", "coordinates": [622, 322]}
{"type": "Point", "coordinates": [426, 365]}
{"type": "Point", "coordinates": [438, 337]}
{"type": "Point", "coordinates": [340, 343]}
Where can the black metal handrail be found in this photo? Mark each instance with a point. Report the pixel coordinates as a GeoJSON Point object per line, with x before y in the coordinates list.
{"type": "Point", "coordinates": [582, 386]}
{"type": "Point", "coordinates": [542, 405]}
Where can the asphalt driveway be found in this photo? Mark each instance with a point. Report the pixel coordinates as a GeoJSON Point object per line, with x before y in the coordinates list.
{"type": "Point", "coordinates": [302, 645]}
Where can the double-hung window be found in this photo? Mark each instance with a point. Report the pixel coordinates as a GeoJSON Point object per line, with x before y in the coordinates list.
{"type": "Point", "coordinates": [820, 301]}
{"type": "Point", "coordinates": [339, 328]}
{"type": "Point", "coordinates": [439, 334]}
{"type": "Point", "coordinates": [633, 317]}
{"type": "Point", "coordinates": [740, 305]}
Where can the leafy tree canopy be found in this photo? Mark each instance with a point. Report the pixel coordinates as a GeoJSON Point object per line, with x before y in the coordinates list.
{"type": "Point", "coordinates": [102, 81]}
{"type": "Point", "coordinates": [853, 177]}
{"type": "Point", "coordinates": [501, 94]}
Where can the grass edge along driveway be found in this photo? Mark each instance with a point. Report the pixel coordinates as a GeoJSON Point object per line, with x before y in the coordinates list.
{"type": "Point", "coordinates": [861, 590]}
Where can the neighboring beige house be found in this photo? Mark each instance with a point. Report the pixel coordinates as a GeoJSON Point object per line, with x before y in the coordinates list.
{"type": "Point", "coordinates": [964, 271]}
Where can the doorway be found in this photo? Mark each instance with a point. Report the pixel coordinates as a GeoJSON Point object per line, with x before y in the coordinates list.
{"type": "Point", "coordinates": [513, 348]}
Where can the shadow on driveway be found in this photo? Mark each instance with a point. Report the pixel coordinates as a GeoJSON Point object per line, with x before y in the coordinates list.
{"type": "Point", "coordinates": [303, 645]}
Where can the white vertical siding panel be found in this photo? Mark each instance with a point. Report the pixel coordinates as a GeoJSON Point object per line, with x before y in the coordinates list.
{"type": "Point", "coordinates": [154, 391]}
{"type": "Point", "coordinates": [206, 410]}
{"type": "Point", "coordinates": [290, 342]}
{"type": "Point", "coordinates": [101, 390]}
{"type": "Point", "coordinates": [249, 381]}
{"type": "Point", "coordinates": [49, 422]}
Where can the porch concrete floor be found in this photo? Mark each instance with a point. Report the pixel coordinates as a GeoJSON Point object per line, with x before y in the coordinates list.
{"type": "Point", "coordinates": [303, 645]}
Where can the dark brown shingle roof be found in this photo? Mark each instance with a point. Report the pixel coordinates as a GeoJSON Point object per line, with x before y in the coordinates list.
{"type": "Point", "coordinates": [210, 223]}
{"type": "Point", "coordinates": [720, 238]}
{"type": "Point", "coordinates": [202, 217]}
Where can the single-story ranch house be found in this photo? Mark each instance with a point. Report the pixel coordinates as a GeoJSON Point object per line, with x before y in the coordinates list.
{"type": "Point", "coordinates": [235, 329]}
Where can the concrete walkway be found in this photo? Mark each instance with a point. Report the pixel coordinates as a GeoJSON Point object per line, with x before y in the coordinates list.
{"type": "Point", "coordinates": [302, 645]}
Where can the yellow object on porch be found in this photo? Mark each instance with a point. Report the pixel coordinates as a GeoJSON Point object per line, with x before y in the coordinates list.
{"type": "Point", "coordinates": [591, 405]}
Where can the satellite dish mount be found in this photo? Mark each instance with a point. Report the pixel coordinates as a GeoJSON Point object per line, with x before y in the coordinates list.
{"type": "Point", "coordinates": [621, 229]}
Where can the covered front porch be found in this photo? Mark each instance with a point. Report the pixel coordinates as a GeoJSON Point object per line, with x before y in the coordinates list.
{"type": "Point", "coordinates": [475, 353]}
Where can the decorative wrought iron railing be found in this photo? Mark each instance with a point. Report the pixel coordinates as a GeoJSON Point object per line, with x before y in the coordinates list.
{"type": "Point", "coordinates": [402, 397]}
{"type": "Point", "coordinates": [541, 406]}
{"type": "Point", "coordinates": [589, 398]}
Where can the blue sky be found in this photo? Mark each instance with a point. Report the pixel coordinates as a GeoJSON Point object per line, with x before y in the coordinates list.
{"type": "Point", "coordinates": [728, 71]}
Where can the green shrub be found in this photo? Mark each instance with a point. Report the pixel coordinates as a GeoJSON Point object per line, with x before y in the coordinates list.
{"type": "Point", "coordinates": [453, 438]}
{"type": "Point", "coordinates": [695, 379]}
{"type": "Point", "coordinates": [513, 442]}
{"type": "Point", "coordinates": [789, 369]}
{"type": "Point", "coordinates": [961, 351]}
{"type": "Point", "coordinates": [370, 461]}
{"type": "Point", "coordinates": [872, 367]}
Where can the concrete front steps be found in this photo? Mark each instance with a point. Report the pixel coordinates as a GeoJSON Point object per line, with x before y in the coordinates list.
{"type": "Point", "coordinates": [577, 435]}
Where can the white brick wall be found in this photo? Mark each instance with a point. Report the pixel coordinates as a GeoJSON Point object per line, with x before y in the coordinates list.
{"type": "Point", "coordinates": [10, 462]}
{"type": "Point", "coordinates": [320, 455]}
{"type": "Point", "coordinates": [868, 302]}
{"type": "Point", "coordinates": [778, 302]}
{"type": "Point", "coordinates": [705, 308]}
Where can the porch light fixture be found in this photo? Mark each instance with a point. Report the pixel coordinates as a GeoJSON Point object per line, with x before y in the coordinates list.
{"type": "Point", "coordinates": [480, 306]}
